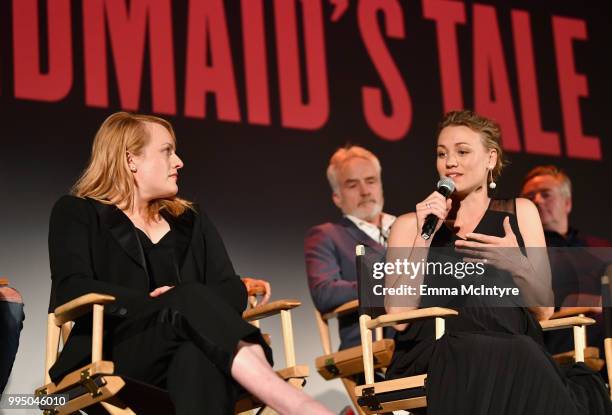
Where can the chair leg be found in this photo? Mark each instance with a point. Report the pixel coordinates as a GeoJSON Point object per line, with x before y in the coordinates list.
{"type": "Point", "coordinates": [349, 385]}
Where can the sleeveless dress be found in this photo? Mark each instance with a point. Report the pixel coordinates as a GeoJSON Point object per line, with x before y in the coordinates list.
{"type": "Point", "coordinates": [491, 360]}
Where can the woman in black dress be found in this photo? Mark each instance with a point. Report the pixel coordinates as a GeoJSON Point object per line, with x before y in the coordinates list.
{"type": "Point", "coordinates": [176, 321]}
{"type": "Point", "coordinates": [490, 360]}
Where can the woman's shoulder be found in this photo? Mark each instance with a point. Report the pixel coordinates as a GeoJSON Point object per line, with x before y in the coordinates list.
{"type": "Point", "coordinates": [70, 208]}
{"type": "Point", "coordinates": [404, 230]}
{"type": "Point", "coordinates": [518, 206]}
{"type": "Point", "coordinates": [70, 203]}
{"type": "Point", "coordinates": [525, 208]}
{"type": "Point", "coordinates": [407, 220]}
{"type": "Point", "coordinates": [529, 223]}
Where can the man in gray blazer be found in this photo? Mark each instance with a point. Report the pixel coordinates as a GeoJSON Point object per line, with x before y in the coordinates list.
{"type": "Point", "coordinates": [354, 175]}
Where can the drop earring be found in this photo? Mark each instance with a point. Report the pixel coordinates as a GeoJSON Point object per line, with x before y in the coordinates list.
{"type": "Point", "coordinates": [492, 184]}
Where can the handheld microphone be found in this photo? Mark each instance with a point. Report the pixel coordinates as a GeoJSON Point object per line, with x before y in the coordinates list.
{"type": "Point", "coordinates": [445, 187]}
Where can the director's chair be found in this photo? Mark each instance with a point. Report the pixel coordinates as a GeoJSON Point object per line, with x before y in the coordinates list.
{"type": "Point", "coordinates": [411, 392]}
{"type": "Point", "coordinates": [347, 364]}
{"type": "Point", "coordinates": [582, 352]}
{"type": "Point", "coordinates": [95, 388]}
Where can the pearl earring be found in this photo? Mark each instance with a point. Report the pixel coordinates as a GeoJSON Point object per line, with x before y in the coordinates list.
{"type": "Point", "coordinates": [492, 184]}
{"type": "Point", "coordinates": [133, 168]}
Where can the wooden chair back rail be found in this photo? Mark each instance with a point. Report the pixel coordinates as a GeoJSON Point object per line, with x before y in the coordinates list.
{"type": "Point", "coordinates": [252, 303]}
{"type": "Point", "coordinates": [324, 333]}
{"type": "Point", "coordinates": [52, 346]}
{"type": "Point", "coordinates": [323, 323]}
{"type": "Point", "coordinates": [56, 331]}
{"type": "Point", "coordinates": [4, 281]}
{"type": "Point", "coordinates": [287, 329]}
{"type": "Point", "coordinates": [282, 307]}
{"type": "Point", "coordinates": [578, 324]}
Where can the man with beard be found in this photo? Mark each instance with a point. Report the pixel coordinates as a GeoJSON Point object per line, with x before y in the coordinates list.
{"type": "Point", "coordinates": [354, 175]}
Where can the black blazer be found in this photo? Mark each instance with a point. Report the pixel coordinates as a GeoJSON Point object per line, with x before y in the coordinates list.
{"type": "Point", "coordinates": [94, 247]}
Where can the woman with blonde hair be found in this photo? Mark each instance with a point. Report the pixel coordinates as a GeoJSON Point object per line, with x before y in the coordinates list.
{"type": "Point", "coordinates": [491, 359]}
{"type": "Point", "coordinates": [176, 321]}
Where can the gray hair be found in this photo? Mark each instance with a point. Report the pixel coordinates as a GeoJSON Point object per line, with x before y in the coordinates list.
{"type": "Point", "coordinates": [344, 154]}
{"type": "Point", "coordinates": [565, 184]}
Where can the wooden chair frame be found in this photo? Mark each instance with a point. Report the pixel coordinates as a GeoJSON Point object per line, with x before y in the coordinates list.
{"type": "Point", "coordinates": [582, 352]}
{"type": "Point", "coordinates": [348, 363]}
{"type": "Point", "coordinates": [100, 383]}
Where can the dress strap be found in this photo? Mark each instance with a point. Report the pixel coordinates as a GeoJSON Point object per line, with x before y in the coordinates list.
{"type": "Point", "coordinates": [503, 205]}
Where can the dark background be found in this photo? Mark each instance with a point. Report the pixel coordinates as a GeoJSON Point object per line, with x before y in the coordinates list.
{"type": "Point", "coordinates": [264, 186]}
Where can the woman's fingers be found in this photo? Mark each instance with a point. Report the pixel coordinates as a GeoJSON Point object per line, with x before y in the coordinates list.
{"type": "Point", "coordinates": [268, 292]}
{"type": "Point", "coordinates": [160, 290]}
{"type": "Point", "coordinates": [507, 227]}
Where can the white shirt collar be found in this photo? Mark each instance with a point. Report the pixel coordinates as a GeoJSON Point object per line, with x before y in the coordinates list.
{"type": "Point", "coordinates": [379, 235]}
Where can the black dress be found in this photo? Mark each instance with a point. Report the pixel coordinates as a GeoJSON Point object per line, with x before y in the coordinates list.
{"type": "Point", "coordinates": [491, 359]}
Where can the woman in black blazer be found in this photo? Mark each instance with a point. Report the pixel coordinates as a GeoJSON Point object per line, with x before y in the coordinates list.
{"type": "Point", "coordinates": [176, 322]}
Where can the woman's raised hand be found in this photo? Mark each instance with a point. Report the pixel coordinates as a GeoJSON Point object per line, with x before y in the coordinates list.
{"type": "Point", "coordinates": [435, 204]}
{"type": "Point", "coordinates": [500, 252]}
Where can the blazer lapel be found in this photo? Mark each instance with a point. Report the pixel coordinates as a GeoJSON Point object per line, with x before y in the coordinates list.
{"type": "Point", "coordinates": [183, 229]}
{"type": "Point", "coordinates": [361, 237]}
{"type": "Point", "coordinates": [123, 230]}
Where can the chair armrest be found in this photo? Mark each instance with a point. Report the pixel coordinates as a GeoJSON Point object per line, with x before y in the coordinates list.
{"type": "Point", "coordinates": [565, 323]}
{"type": "Point", "coordinates": [80, 306]}
{"type": "Point", "coordinates": [270, 309]}
{"type": "Point", "coordinates": [283, 307]}
{"type": "Point", "coordinates": [346, 308]}
{"type": "Point", "coordinates": [572, 311]}
{"type": "Point", "coordinates": [408, 316]}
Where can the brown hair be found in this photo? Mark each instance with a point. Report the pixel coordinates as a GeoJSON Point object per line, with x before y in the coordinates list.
{"type": "Point", "coordinates": [554, 171]}
{"type": "Point", "coordinates": [488, 129]}
{"type": "Point", "coordinates": [107, 178]}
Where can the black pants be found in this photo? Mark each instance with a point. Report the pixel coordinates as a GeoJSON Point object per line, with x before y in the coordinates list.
{"type": "Point", "coordinates": [11, 323]}
{"type": "Point", "coordinates": [184, 341]}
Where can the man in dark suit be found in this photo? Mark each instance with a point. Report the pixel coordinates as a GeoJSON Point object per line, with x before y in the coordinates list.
{"type": "Point", "coordinates": [354, 175]}
{"type": "Point", "coordinates": [576, 280]}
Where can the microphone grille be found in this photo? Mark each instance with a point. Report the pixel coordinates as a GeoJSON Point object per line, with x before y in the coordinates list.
{"type": "Point", "coordinates": [446, 182]}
